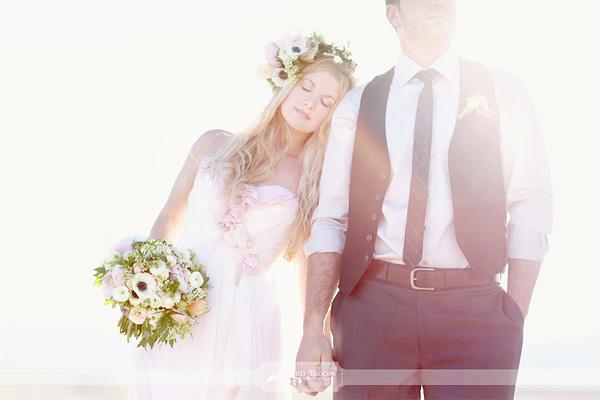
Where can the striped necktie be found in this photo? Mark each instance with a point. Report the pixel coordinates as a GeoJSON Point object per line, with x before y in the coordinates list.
{"type": "Point", "coordinates": [417, 203]}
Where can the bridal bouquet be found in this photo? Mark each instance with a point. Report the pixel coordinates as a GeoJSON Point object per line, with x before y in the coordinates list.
{"type": "Point", "coordinates": [159, 288]}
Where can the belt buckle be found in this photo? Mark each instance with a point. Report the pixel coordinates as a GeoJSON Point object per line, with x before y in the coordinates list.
{"type": "Point", "coordinates": [413, 278]}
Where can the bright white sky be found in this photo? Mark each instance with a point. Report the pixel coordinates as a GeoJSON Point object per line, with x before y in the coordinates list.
{"type": "Point", "coordinates": [100, 101]}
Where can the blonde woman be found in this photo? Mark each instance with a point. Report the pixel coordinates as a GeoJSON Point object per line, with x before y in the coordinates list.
{"type": "Point", "coordinates": [242, 202]}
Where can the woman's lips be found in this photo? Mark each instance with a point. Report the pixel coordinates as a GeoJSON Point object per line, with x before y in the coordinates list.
{"type": "Point", "coordinates": [302, 114]}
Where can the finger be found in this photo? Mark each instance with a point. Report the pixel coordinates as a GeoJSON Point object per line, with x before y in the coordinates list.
{"type": "Point", "coordinates": [315, 384]}
{"type": "Point", "coordinates": [301, 386]}
{"type": "Point", "coordinates": [329, 370]}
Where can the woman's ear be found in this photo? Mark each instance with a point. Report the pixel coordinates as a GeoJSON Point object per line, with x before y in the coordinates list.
{"type": "Point", "coordinates": [393, 15]}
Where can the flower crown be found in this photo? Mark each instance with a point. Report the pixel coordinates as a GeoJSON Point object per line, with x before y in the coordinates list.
{"type": "Point", "coordinates": [289, 56]}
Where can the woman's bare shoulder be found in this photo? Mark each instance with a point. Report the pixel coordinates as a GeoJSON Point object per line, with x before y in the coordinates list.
{"type": "Point", "coordinates": [210, 142]}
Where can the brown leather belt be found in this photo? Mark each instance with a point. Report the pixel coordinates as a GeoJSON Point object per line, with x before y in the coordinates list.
{"type": "Point", "coordinates": [422, 278]}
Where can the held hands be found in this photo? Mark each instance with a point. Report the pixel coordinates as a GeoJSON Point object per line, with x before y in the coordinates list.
{"type": "Point", "coordinates": [314, 363]}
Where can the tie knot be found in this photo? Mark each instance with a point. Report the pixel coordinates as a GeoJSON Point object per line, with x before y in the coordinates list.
{"type": "Point", "coordinates": [427, 76]}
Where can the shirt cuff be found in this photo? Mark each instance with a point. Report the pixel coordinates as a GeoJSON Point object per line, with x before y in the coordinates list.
{"type": "Point", "coordinates": [325, 240]}
{"type": "Point", "coordinates": [526, 244]}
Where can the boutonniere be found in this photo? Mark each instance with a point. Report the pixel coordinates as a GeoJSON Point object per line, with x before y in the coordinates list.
{"type": "Point", "coordinates": [478, 104]}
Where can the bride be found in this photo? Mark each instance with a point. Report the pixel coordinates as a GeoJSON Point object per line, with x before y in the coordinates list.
{"type": "Point", "coordinates": [241, 202]}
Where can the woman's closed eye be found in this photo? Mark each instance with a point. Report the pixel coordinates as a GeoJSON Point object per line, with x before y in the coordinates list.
{"type": "Point", "coordinates": [307, 85]}
{"type": "Point", "coordinates": [328, 102]}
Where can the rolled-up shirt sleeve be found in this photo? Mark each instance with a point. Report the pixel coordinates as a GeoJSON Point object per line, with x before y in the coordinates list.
{"type": "Point", "coordinates": [526, 175]}
{"type": "Point", "coordinates": [330, 219]}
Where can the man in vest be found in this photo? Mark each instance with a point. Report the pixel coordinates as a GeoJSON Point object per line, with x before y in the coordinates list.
{"type": "Point", "coordinates": [435, 178]}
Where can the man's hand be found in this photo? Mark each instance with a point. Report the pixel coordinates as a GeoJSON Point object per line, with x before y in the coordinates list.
{"type": "Point", "coordinates": [522, 276]}
{"type": "Point", "coordinates": [314, 362]}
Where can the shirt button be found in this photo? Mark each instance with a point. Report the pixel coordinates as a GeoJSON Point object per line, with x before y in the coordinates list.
{"type": "Point", "coordinates": [366, 258]}
{"type": "Point", "coordinates": [377, 196]}
{"type": "Point", "coordinates": [424, 262]}
{"type": "Point", "coordinates": [369, 238]}
{"type": "Point", "coordinates": [426, 228]}
{"type": "Point", "coordinates": [373, 217]}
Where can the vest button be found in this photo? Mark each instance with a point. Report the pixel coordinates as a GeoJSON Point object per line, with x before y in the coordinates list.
{"type": "Point", "coordinates": [369, 238]}
{"type": "Point", "coordinates": [383, 176]}
{"type": "Point", "coordinates": [373, 217]}
{"type": "Point", "coordinates": [377, 196]}
{"type": "Point", "coordinates": [366, 258]}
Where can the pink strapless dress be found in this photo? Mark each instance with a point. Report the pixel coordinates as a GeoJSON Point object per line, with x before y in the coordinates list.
{"type": "Point", "coordinates": [237, 345]}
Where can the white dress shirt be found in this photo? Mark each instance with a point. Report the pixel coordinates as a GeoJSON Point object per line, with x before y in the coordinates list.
{"type": "Point", "coordinates": [525, 170]}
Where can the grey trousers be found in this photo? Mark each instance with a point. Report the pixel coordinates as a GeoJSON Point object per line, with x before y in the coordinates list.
{"type": "Point", "coordinates": [382, 326]}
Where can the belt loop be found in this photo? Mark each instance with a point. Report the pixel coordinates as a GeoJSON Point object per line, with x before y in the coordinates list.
{"type": "Point", "coordinates": [387, 268]}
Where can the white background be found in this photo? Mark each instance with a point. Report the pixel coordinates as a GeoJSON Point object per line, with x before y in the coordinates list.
{"type": "Point", "coordinates": [101, 100]}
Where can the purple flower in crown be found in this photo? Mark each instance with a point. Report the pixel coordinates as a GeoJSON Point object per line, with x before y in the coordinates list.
{"type": "Point", "coordinates": [272, 54]}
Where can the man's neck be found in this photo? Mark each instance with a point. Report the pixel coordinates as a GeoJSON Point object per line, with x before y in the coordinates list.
{"type": "Point", "coordinates": [424, 55]}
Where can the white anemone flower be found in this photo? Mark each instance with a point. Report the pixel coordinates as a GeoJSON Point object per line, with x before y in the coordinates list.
{"type": "Point", "coordinates": [196, 279]}
{"type": "Point", "coordinates": [295, 45]}
{"type": "Point", "coordinates": [279, 77]}
{"type": "Point", "coordinates": [121, 293]}
{"type": "Point", "coordinates": [134, 299]}
{"type": "Point", "coordinates": [144, 285]}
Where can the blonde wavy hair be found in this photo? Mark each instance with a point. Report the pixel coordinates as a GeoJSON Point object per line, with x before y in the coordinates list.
{"type": "Point", "coordinates": [253, 155]}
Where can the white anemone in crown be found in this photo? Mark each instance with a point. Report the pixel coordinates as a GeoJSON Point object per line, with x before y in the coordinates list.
{"type": "Point", "coordinates": [279, 77]}
{"type": "Point", "coordinates": [294, 45]}
{"type": "Point", "coordinates": [144, 285]}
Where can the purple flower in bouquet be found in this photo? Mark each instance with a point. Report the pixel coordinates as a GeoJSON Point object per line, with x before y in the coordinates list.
{"type": "Point", "coordinates": [182, 276]}
{"type": "Point", "coordinates": [113, 279]}
{"type": "Point", "coordinates": [124, 246]}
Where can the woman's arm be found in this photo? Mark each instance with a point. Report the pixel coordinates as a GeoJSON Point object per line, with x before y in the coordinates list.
{"type": "Point", "coordinates": [170, 219]}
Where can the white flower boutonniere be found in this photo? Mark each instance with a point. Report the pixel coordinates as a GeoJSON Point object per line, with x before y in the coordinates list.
{"type": "Point", "coordinates": [478, 104]}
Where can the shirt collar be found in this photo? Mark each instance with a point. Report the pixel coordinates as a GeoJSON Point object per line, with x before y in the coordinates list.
{"type": "Point", "coordinates": [406, 68]}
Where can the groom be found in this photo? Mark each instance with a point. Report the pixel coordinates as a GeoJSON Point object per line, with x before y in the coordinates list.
{"type": "Point", "coordinates": [435, 177]}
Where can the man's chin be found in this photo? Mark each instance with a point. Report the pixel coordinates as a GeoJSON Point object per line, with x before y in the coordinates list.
{"type": "Point", "coordinates": [440, 35]}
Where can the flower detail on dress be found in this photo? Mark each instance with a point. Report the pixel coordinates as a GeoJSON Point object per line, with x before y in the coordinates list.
{"type": "Point", "coordinates": [247, 197]}
{"type": "Point", "coordinates": [250, 264]}
{"type": "Point", "coordinates": [234, 231]}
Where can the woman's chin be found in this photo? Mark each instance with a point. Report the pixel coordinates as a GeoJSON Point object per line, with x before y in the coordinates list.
{"type": "Point", "coordinates": [300, 128]}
